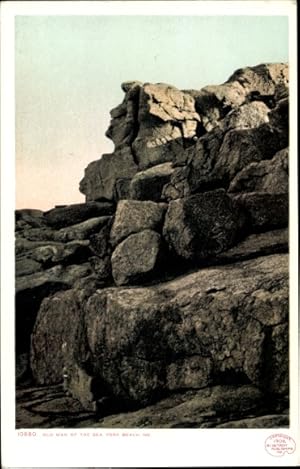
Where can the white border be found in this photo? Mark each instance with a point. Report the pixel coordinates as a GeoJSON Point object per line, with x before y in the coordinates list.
{"type": "Point", "coordinates": [163, 447]}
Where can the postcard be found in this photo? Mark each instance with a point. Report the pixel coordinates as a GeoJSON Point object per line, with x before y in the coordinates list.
{"type": "Point", "coordinates": [149, 288]}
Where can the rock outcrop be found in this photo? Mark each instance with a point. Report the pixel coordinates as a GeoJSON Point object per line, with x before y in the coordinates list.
{"type": "Point", "coordinates": [163, 300]}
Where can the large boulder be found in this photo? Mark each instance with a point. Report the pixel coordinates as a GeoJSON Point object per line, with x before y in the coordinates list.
{"type": "Point", "coordinates": [101, 176]}
{"type": "Point", "coordinates": [62, 318]}
{"type": "Point", "coordinates": [133, 216]}
{"type": "Point", "coordinates": [220, 325]}
{"type": "Point", "coordinates": [136, 258]}
{"type": "Point", "coordinates": [202, 225]}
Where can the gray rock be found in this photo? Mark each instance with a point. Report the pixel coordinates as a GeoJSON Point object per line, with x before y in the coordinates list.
{"type": "Point", "coordinates": [79, 231]}
{"type": "Point", "coordinates": [45, 234]}
{"type": "Point", "coordinates": [61, 319]}
{"type": "Point", "coordinates": [265, 82]}
{"type": "Point", "coordinates": [202, 225]}
{"type": "Point", "coordinates": [264, 211]}
{"type": "Point", "coordinates": [219, 155]}
{"type": "Point", "coordinates": [30, 218]}
{"type": "Point", "coordinates": [166, 118]}
{"type": "Point", "coordinates": [101, 176]}
{"type": "Point", "coordinates": [148, 184]}
{"type": "Point", "coordinates": [22, 367]}
{"type": "Point", "coordinates": [101, 266]}
{"type": "Point", "coordinates": [208, 317]}
{"type": "Point", "coordinates": [60, 275]}
{"type": "Point", "coordinates": [23, 245]}
{"type": "Point", "coordinates": [191, 372]}
{"type": "Point", "coordinates": [77, 213]}
{"type": "Point", "coordinates": [49, 407]}
{"type": "Point", "coordinates": [82, 231]}
{"type": "Point", "coordinates": [27, 266]}
{"type": "Point", "coordinates": [100, 240]}
{"type": "Point", "coordinates": [201, 409]}
{"type": "Point", "coordinates": [122, 188]}
{"type": "Point", "coordinates": [217, 336]}
{"type": "Point", "coordinates": [265, 176]}
{"type": "Point", "coordinates": [218, 406]}
{"type": "Point", "coordinates": [133, 216]}
{"type": "Point", "coordinates": [279, 357]}
{"type": "Point", "coordinates": [136, 258]}
{"type": "Point", "coordinates": [207, 327]}
{"type": "Point", "coordinates": [50, 254]}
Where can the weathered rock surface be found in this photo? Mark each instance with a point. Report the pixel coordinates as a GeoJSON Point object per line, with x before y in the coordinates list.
{"type": "Point", "coordinates": [60, 342]}
{"type": "Point", "coordinates": [148, 184]}
{"type": "Point", "coordinates": [134, 216]}
{"type": "Point", "coordinates": [202, 225]}
{"type": "Point", "coordinates": [210, 327]}
{"type": "Point", "coordinates": [264, 211]}
{"type": "Point", "coordinates": [265, 82]}
{"type": "Point", "coordinates": [73, 214]}
{"type": "Point", "coordinates": [101, 176]}
{"type": "Point", "coordinates": [266, 176]}
{"type": "Point", "coordinates": [136, 258]}
{"type": "Point", "coordinates": [163, 300]}
{"type": "Point", "coordinates": [52, 254]}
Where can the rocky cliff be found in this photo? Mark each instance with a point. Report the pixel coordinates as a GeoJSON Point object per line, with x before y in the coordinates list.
{"type": "Point", "coordinates": [162, 301]}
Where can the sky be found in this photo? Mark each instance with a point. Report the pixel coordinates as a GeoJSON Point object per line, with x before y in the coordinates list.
{"type": "Point", "coordinates": [68, 72]}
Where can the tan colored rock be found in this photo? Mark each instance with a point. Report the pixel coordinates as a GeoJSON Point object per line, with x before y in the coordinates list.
{"type": "Point", "coordinates": [101, 175]}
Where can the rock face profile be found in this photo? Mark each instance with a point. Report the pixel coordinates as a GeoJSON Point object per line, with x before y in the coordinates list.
{"type": "Point", "coordinates": [162, 301]}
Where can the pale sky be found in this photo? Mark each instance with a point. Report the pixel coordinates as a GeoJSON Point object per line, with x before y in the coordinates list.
{"type": "Point", "coordinates": [68, 75]}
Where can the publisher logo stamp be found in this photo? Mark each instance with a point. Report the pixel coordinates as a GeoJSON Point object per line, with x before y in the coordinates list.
{"type": "Point", "coordinates": [279, 444]}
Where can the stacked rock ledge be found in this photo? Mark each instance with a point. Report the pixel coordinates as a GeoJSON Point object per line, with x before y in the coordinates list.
{"type": "Point", "coordinates": [163, 299]}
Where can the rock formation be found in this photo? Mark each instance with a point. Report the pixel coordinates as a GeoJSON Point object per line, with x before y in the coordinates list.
{"type": "Point", "coordinates": [162, 301]}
